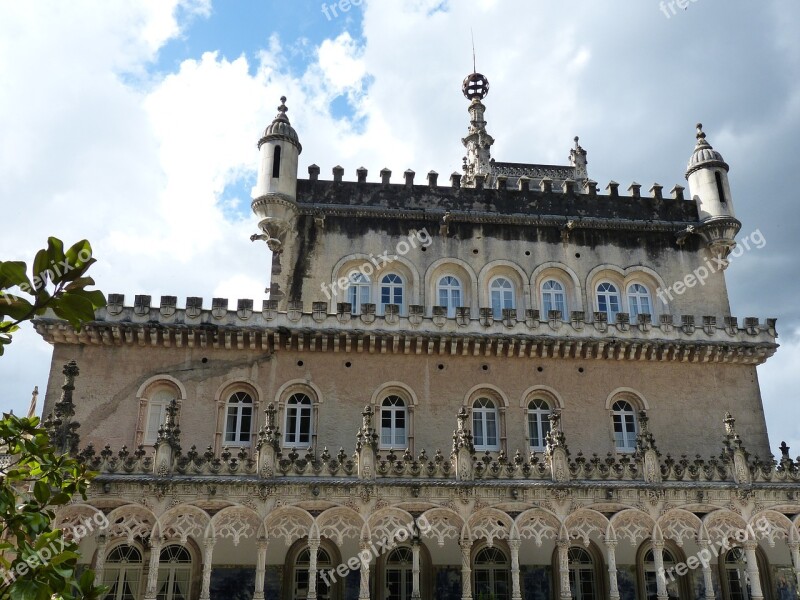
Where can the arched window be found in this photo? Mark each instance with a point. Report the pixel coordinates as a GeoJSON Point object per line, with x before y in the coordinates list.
{"type": "Point", "coordinates": [449, 291]}
{"type": "Point", "coordinates": [359, 291]}
{"type": "Point", "coordinates": [491, 573]}
{"type": "Point", "coordinates": [553, 298]}
{"type": "Point", "coordinates": [651, 576]}
{"type": "Point", "coordinates": [276, 162]}
{"type": "Point", "coordinates": [391, 291]}
{"type": "Point", "coordinates": [157, 412]}
{"type": "Point", "coordinates": [394, 417]}
{"type": "Point", "coordinates": [174, 573]}
{"type": "Point", "coordinates": [582, 575]}
{"type": "Point", "coordinates": [639, 300]}
{"type": "Point", "coordinates": [298, 421]}
{"type": "Point", "coordinates": [624, 418]}
{"type": "Point", "coordinates": [239, 419]}
{"type": "Point", "coordinates": [735, 579]}
{"type": "Point", "coordinates": [122, 573]}
{"type": "Point", "coordinates": [501, 293]}
{"type": "Point", "coordinates": [538, 423]}
{"type": "Point", "coordinates": [485, 425]}
{"type": "Point", "coordinates": [399, 575]}
{"type": "Point", "coordinates": [608, 300]}
{"type": "Point", "coordinates": [300, 579]}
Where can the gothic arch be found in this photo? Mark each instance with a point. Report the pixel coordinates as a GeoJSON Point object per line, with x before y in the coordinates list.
{"type": "Point", "coordinates": [538, 525]}
{"type": "Point", "coordinates": [234, 522]}
{"type": "Point", "coordinates": [388, 526]}
{"type": "Point", "coordinates": [290, 523]}
{"type": "Point", "coordinates": [723, 524]}
{"type": "Point", "coordinates": [772, 526]}
{"type": "Point", "coordinates": [131, 521]}
{"type": "Point", "coordinates": [339, 523]}
{"type": "Point", "coordinates": [86, 516]}
{"type": "Point", "coordinates": [489, 524]}
{"type": "Point", "coordinates": [584, 523]}
{"type": "Point", "coordinates": [680, 525]}
{"type": "Point", "coordinates": [182, 522]}
{"type": "Point", "coordinates": [441, 524]}
{"type": "Point", "coordinates": [632, 525]}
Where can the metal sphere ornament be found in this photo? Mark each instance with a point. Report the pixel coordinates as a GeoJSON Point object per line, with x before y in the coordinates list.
{"type": "Point", "coordinates": [475, 86]}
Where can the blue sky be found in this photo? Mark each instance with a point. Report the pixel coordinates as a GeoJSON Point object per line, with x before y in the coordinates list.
{"type": "Point", "coordinates": [134, 125]}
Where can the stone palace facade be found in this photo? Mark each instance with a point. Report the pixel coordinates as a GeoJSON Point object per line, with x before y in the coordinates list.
{"type": "Point", "coordinates": [506, 385]}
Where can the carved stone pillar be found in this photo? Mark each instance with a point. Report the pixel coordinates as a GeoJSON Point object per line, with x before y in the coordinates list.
{"type": "Point", "coordinates": [795, 549]}
{"type": "Point", "coordinates": [661, 579]}
{"type": "Point", "coordinates": [415, 594]}
{"type": "Point", "coordinates": [313, 548]}
{"type": "Point", "coordinates": [563, 569]}
{"type": "Point", "coordinates": [466, 570]}
{"type": "Point", "coordinates": [708, 580]}
{"type": "Point", "coordinates": [208, 553]}
{"type": "Point", "coordinates": [756, 593]}
{"type": "Point", "coordinates": [151, 588]}
{"type": "Point", "coordinates": [613, 584]}
{"type": "Point", "coordinates": [99, 564]}
{"type": "Point", "coordinates": [261, 568]}
{"type": "Point", "coordinates": [516, 593]}
{"type": "Point", "coordinates": [366, 553]}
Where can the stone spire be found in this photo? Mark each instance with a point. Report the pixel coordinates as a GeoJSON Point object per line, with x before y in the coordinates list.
{"type": "Point", "coordinates": [478, 142]}
{"type": "Point", "coordinates": [577, 158]}
{"type": "Point", "coordinates": [59, 424]}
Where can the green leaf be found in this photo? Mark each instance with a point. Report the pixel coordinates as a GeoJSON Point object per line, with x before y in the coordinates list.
{"type": "Point", "coordinates": [14, 273]}
{"type": "Point", "coordinates": [41, 491]}
{"type": "Point", "coordinates": [55, 251]}
{"type": "Point", "coordinates": [16, 308]}
{"type": "Point", "coordinates": [40, 264]}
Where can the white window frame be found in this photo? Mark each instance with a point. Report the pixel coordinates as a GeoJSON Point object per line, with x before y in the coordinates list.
{"type": "Point", "coordinates": [550, 300]}
{"type": "Point", "coordinates": [575, 569]}
{"type": "Point", "coordinates": [539, 412]}
{"type": "Point", "coordinates": [450, 293]}
{"type": "Point", "coordinates": [638, 293]}
{"type": "Point", "coordinates": [359, 291]}
{"type": "Point", "coordinates": [238, 410]}
{"type": "Point", "coordinates": [494, 570]}
{"type": "Point", "coordinates": [394, 288]}
{"type": "Point", "coordinates": [481, 414]}
{"type": "Point", "coordinates": [624, 414]}
{"type": "Point", "coordinates": [393, 410]}
{"type": "Point", "coordinates": [119, 572]}
{"type": "Point", "coordinates": [296, 410]}
{"type": "Point", "coordinates": [501, 295]}
{"type": "Point", "coordinates": [157, 404]}
{"type": "Point", "coordinates": [607, 295]}
{"type": "Point", "coordinates": [172, 571]}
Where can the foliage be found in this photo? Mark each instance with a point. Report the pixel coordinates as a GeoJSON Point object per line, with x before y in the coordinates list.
{"type": "Point", "coordinates": [58, 283]}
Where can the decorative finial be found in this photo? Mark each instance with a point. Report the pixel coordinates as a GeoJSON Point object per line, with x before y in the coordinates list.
{"type": "Point", "coordinates": [700, 133]}
{"type": "Point", "coordinates": [282, 108]}
{"type": "Point", "coordinates": [577, 139]}
{"type": "Point", "coordinates": [475, 87]}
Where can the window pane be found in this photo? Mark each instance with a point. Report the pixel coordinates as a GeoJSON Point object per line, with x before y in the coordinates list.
{"type": "Point", "coordinates": [491, 429]}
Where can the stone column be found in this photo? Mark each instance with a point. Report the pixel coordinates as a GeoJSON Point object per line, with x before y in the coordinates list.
{"type": "Point", "coordinates": [313, 547]}
{"type": "Point", "coordinates": [708, 580]}
{"type": "Point", "coordinates": [516, 593]}
{"type": "Point", "coordinates": [415, 570]}
{"type": "Point", "coordinates": [152, 574]}
{"type": "Point", "coordinates": [613, 584]}
{"type": "Point", "coordinates": [563, 569]}
{"type": "Point", "coordinates": [752, 570]}
{"type": "Point", "coordinates": [99, 564]}
{"type": "Point", "coordinates": [661, 579]}
{"type": "Point", "coordinates": [261, 568]}
{"type": "Point", "coordinates": [795, 548]}
{"type": "Point", "coordinates": [466, 570]}
{"type": "Point", "coordinates": [366, 552]}
{"type": "Point", "coordinates": [208, 553]}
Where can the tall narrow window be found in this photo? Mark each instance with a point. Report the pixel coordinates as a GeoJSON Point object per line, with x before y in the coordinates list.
{"type": "Point", "coordinates": [651, 576]}
{"type": "Point", "coordinates": [393, 422]}
{"type": "Point", "coordinates": [492, 574]}
{"type": "Point", "coordinates": [298, 420]}
{"type": "Point", "coordinates": [174, 573]}
{"type": "Point", "coordinates": [123, 572]}
{"type": "Point", "coordinates": [239, 419]}
{"type": "Point", "coordinates": [736, 578]}
{"type": "Point", "coordinates": [608, 300]}
{"type": "Point", "coordinates": [624, 419]}
{"type": "Point", "coordinates": [582, 577]}
{"type": "Point", "coordinates": [538, 423]}
{"type": "Point", "coordinates": [276, 162]}
{"type": "Point", "coordinates": [358, 292]}
{"type": "Point", "coordinates": [484, 425]}
{"type": "Point", "coordinates": [502, 296]}
{"type": "Point", "coordinates": [553, 298]}
{"type": "Point", "coordinates": [391, 291]}
{"type": "Point", "coordinates": [399, 575]}
{"type": "Point", "coordinates": [449, 289]}
{"type": "Point", "coordinates": [720, 187]}
{"type": "Point", "coordinates": [639, 300]}
{"type": "Point", "coordinates": [300, 579]}
{"type": "Point", "coordinates": [156, 413]}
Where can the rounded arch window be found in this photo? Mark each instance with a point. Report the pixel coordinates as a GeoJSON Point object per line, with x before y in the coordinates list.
{"type": "Point", "coordinates": [392, 291]}
{"type": "Point", "coordinates": [399, 574]}
{"type": "Point", "coordinates": [174, 573]}
{"type": "Point", "coordinates": [485, 424]}
{"type": "Point", "coordinates": [582, 575]}
{"type": "Point", "coordinates": [394, 422]}
{"type": "Point", "coordinates": [639, 301]}
{"type": "Point", "coordinates": [492, 575]}
{"type": "Point", "coordinates": [554, 297]}
{"type": "Point", "coordinates": [300, 579]}
{"type": "Point", "coordinates": [625, 425]}
{"type": "Point", "coordinates": [501, 295]}
{"type": "Point", "coordinates": [358, 291]}
{"type": "Point", "coordinates": [123, 573]}
{"type": "Point", "coordinates": [539, 411]}
{"type": "Point", "coordinates": [608, 300]}
{"type": "Point", "coordinates": [736, 580]}
{"type": "Point", "coordinates": [157, 402]}
{"type": "Point", "coordinates": [239, 419]}
{"type": "Point", "coordinates": [450, 293]}
{"type": "Point", "coordinates": [299, 410]}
